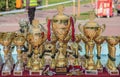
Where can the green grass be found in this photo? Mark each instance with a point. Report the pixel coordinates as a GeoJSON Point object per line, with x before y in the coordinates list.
{"type": "Point", "coordinates": [84, 16]}
{"type": "Point", "coordinates": [58, 1]}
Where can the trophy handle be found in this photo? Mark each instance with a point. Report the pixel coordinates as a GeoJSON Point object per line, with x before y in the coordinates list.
{"type": "Point", "coordinates": [80, 28]}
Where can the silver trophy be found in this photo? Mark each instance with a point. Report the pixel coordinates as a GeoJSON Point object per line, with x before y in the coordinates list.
{"type": "Point", "coordinates": [19, 42]}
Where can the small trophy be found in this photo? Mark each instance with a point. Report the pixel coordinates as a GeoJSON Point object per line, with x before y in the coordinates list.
{"type": "Point", "coordinates": [6, 42]}
{"type": "Point", "coordinates": [112, 42]}
{"type": "Point", "coordinates": [99, 41]}
{"type": "Point", "coordinates": [19, 42]}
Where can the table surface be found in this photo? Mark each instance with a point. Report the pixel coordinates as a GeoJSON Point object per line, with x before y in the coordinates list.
{"type": "Point", "coordinates": [103, 74]}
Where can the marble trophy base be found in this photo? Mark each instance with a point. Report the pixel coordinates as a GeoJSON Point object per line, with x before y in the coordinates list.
{"type": "Point", "coordinates": [112, 72]}
{"type": "Point", "coordinates": [91, 72]}
{"type": "Point", "coordinates": [61, 70]}
{"type": "Point", "coordinates": [17, 73]}
{"type": "Point", "coordinates": [35, 73]}
{"type": "Point", "coordinates": [5, 73]}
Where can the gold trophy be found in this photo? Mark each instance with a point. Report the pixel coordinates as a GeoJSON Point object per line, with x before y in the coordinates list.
{"type": "Point", "coordinates": [61, 29]}
{"type": "Point", "coordinates": [99, 41]}
{"type": "Point", "coordinates": [19, 41]}
{"type": "Point", "coordinates": [6, 42]}
{"type": "Point", "coordinates": [35, 39]}
{"type": "Point", "coordinates": [112, 42]}
{"type": "Point", "coordinates": [91, 30]}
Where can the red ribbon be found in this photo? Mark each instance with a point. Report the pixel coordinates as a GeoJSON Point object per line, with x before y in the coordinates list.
{"type": "Point", "coordinates": [73, 29]}
{"type": "Point", "coordinates": [48, 33]}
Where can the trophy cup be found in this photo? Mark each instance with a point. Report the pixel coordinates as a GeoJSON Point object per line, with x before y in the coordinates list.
{"type": "Point", "coordinates": [61, 29]}
{"type": "Point", "coordinates": [91, 30]}
{"type": "Point", "coordinates": [99, 41]}
{"type": "Point", "coordinates": [6, 42]}
{"type": "Point", "coordinates": [112, 42]}
{"type": "Point", "coordinates": [35, 39]}
{"type": "Point", "coordinates": [19, 41]}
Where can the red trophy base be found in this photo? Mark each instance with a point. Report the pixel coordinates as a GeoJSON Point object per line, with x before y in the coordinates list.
{"type": "Point", "coordinates": [6, 73]}
{"type": "Point", "coordinates": [35, 73]}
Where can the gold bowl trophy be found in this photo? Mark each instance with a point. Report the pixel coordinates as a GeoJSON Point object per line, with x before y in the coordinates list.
{"type": "Point", "coordinates": [61, 29]}
{"type": "Point", "coordinates": [6, 42]}
{"type": "Point", "coordinates": [19, 41]}
{"type": "Point", "coordinates": [91, 30]}
{"type": "Point", "coordinates": [99, 40]}
{"type": "Point", "coordinates": [35, 39]}
{"type": "Point", "coordinates": [112, 42]}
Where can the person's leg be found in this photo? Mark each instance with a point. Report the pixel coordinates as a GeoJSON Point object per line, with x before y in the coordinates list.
{"type": "Point", "coordinates": [31, 14]}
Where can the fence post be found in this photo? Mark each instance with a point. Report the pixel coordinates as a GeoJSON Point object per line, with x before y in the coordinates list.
{"type": "Point", "coordinates": [7, 7]}
{"type": "Point", "coordinates": [78, 14]}
{"type": "Point", "coordinates": [46, 3]}
{"type": "Point", "coordinates": [73, 7]}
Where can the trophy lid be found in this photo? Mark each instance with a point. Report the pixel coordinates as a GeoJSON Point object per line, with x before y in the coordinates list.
{"type": "Point", "coordinates": [91, 22]}
{"type": "Point", "coordinates": [60, 14]}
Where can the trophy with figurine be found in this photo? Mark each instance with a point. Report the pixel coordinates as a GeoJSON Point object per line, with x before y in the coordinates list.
{"type": "Point", "coordinates": [111, 67]}
{"type": "Point", "coordinates": [35, 38]}
{"type": "Point", "coordinates": [19, 41]}
{"type": "Point", "coordinates": [90, 31]}
{"type": "Point", "coordinates": [6, 42]}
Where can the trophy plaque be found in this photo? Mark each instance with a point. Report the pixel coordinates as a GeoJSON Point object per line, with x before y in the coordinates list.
{"type": "Point", "coordinates": [61, 70]}
{"type": "Point", "coordinates": [18, 73]}
{"type": "Point", "coordinates": [6, 73]}
{"type": "Point", "coordinates": [35, 73]}
{"type": "Point", "coordinates": [91, 72]}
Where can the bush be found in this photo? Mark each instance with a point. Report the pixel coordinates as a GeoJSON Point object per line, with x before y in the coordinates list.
{"type": "Point", "coordinates": [11, 4]}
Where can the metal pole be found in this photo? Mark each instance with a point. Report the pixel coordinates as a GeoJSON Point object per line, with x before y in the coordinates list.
{"type": "Point", "coordinates": [7, 7]}
{"type": "Point", "coordinates": [46, 3]}
{"type": "Point", "coordinates": [73, 7]}
{"type": "Point", "coordinates": [78, 14]}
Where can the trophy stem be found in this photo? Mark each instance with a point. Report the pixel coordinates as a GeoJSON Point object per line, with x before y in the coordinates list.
{"type": "Point", "coordinates": [98, 64]}
{"type": "Point", "coordinates": [91, 61]}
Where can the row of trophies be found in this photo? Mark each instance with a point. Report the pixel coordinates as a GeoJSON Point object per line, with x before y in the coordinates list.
{"type": "Point", "coordinates": [56, 50]}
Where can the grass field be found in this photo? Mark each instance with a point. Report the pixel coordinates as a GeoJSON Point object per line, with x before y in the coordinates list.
{"type": "Point", "coordinates": [58, 1]}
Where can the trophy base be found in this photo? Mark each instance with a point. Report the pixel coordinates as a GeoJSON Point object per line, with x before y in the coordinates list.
{"type": "Point", "coordinates": [27, 68]}
{"type": "Point", "coordinates": [6, 73]}
{"type": "Point", "coordinates": [112, 72]}
{"type": "Point", "coordinates": [18, 73]}
{"type": "Point", "coordinates": [100, 70]}
{"type": "Point", "coordinates": [35, 73]}
{"type": "Point", "coordinates": [91, 72]}
{"type": "Point", "coordinates": [61, 70]}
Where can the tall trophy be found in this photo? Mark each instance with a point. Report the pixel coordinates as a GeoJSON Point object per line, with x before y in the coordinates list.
{"type": "Point", "coordinates": [61, 29]}
{"type": "Point", "coordinates": [35, 38]}
{"type": "Point", "coordinates": [6, 42]}
{"type": "Point", "coordinates": [90, 31]}
{"type": "Point", "coordinates": [112, 42]}
{"type": "Point", "coordinates": [99, 40]}
{"type": "Point", "coordinates": [19, 41]}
